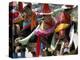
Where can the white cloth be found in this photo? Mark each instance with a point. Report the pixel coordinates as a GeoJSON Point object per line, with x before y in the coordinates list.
{"type": "Point", "coordinates": [66, 50]}
{"type": "Point", "coordinates": [28, 54]}
{"type": "Point", "coordinates": [73, 38]}
{"type": "Point", "coordinates": [19, 54]}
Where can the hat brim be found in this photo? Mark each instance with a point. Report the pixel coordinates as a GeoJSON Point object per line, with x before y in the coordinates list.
{"type": "Point", "coordinates": [44, 14]}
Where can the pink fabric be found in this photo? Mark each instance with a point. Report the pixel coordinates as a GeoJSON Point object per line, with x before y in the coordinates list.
{"type": "Point", "coordinates": [40, 32]}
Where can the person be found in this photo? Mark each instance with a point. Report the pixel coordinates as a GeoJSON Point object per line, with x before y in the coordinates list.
{"type": "Point", "coordinates": [63, 26]}
{"type": "Point", "coordinates": [30, 23]}
{"type": "Point", "coordinates": [13, 14]}
{"type": "Point", "coordinates": [46, 28]}
{"type": "Point", "coordinates": [28, 15]}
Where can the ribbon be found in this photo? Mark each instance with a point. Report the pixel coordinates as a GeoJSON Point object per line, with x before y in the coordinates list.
{"type": "Point", "coordinates": [38, 47]}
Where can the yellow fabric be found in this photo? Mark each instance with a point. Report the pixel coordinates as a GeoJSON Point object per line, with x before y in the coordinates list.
{"type": "Point", "coordinates": [61, 27]}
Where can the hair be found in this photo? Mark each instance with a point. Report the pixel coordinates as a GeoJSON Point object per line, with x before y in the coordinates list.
{"type": "Point", "coordinates": [29, 6]}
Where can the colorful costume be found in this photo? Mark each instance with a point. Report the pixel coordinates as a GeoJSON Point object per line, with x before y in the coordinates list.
{"type": "Point", "coordinates": [47, 27]}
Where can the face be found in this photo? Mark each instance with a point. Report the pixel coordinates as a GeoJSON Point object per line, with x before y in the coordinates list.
{"type": "Point", "coordinates": [48, 17]}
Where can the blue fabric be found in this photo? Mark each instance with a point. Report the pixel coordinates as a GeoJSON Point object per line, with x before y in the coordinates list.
{"type": "Point", "coordinates": [42, 46]}
{"type": "Point", "coordinates": [26, 23]}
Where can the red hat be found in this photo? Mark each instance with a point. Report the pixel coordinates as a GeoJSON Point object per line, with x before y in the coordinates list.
{"type": "Point", "coordinates": [46, 9]}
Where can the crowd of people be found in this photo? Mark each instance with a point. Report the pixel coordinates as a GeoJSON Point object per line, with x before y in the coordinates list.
{"type": "Point", "coordinates": [49, 32]}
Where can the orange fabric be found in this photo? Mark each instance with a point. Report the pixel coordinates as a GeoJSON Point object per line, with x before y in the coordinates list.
{"type": "Point", "coordinates": [33, 20]}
